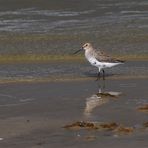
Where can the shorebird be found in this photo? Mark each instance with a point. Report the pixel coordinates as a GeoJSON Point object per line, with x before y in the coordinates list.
{"type": "Point", "coordinates": [98, 58]}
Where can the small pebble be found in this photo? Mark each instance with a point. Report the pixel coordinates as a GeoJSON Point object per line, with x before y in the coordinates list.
{"type": "Point", "coordinates": [116, 136]}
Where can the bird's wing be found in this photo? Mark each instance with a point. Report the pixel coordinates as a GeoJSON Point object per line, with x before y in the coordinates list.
{"type": "Point", "coordinates": [103, 57]}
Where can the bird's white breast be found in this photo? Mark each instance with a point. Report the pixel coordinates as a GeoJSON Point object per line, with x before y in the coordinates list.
{"type": "Point", "coordinates": [90, 58]}
{"type": "Point", "coordinates": [93, 61]}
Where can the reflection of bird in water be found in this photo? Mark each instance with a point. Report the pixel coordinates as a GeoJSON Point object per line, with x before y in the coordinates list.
{"type": "Point", "coordinates": [92, 102]}
{"type": "Point", "coordinates": [99, 99]}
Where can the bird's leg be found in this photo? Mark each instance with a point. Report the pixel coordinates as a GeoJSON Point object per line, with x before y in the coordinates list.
{"type": "Point", "coordinates": [98, 76]}
{"type": "Point", "coordinates": [103, 74]}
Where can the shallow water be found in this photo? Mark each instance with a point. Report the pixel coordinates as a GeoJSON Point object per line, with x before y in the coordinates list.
{"type": "Point", "coordinates": [69, 70]}
{"type": "Point", "coordinates": [33, 111]}
{"type": "Point", "coordinates": [57, 27]}
{"type": "Point", "coordinates": [50, 106]}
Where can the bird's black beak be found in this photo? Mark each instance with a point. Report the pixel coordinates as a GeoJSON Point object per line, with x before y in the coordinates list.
{"type": "Point", "coordinates": [78, 51]}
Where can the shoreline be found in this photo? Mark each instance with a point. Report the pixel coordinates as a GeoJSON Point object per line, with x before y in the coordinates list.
{"type": "Point", "coordinates": [39, 58]}
{"type": "Point", "coordinates": [70, 79]}
{"type": "Point", "coordinates": [34, 114]}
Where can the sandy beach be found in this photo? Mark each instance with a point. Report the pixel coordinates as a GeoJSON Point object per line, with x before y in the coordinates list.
{"type": "Point", "coordinates": [49, 98]}
{"type": "Point", "coordinates": [34, 114]}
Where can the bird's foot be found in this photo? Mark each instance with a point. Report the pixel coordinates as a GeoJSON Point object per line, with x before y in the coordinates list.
{"type": "Point", "coordinates": [103, 74]}
{"type": "Point", "coordinates": [98, 77]}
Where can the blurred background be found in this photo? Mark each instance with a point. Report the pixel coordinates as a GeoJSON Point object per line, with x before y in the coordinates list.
{"type": "Point", "coordinates": [61, 27]}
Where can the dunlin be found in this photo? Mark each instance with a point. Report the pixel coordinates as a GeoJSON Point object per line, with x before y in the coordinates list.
{"type": "Point", "coordinates": [98, 58]}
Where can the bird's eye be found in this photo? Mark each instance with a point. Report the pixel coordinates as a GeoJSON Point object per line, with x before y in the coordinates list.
{"type": "Point", "coordinates": [86, 45]}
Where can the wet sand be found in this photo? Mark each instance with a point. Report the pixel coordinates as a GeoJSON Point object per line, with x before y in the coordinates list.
{"type": "Point", "coordinates": [68, 71]}
{"type": "Point", "coordinates": [40, 94]}
{"type": "Point", "coordinates": [33, 114]}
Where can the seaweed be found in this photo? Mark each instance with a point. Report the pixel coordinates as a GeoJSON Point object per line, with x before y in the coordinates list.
{"type": "Point", "coordinates": [143, 108]}
{"type": "Point", "coordinates": [109, 126]}
{"type": "Point", "coordinates": [109, 94]}
{"type": "Point", "coordinates": [81, 124]}
{"type": "Point", "coordinates": [124, 130]}
{"type": "Point", "coordinates": [145, 124]}
{"type": "Point", "coordinates": [98, 126]}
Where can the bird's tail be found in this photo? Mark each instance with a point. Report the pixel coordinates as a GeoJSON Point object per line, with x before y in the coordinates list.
{"type": "Point", "coordinates": [121, 61]}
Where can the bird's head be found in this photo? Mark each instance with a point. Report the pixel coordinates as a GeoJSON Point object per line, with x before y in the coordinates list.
{"type": "Point", "coordinates": [85, 47]}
